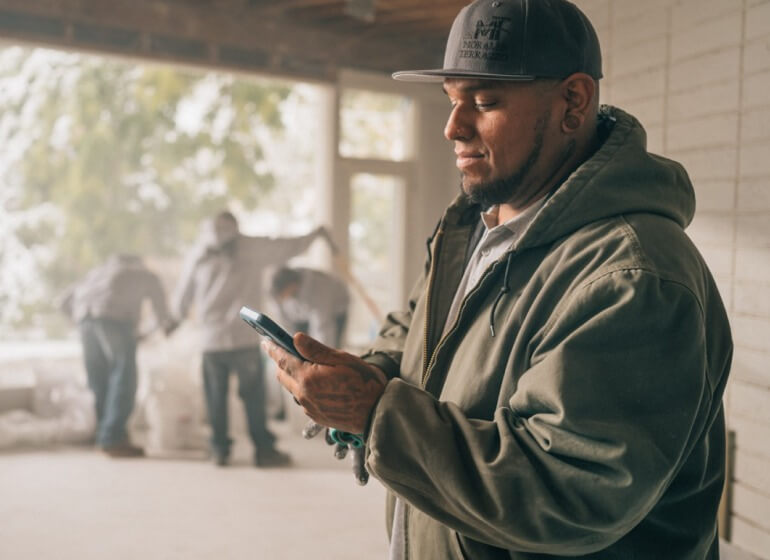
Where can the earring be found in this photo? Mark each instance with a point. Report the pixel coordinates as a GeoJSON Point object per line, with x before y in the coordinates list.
{"type": "Point", "coordinates": [571, 122]}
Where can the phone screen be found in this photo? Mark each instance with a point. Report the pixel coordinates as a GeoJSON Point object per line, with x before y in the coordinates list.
{"type": "Point", "coordinates": [265, 326]}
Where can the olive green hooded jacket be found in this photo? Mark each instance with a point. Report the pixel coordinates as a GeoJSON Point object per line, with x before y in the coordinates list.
{"type": "Point", "coordinates": [590, 424]}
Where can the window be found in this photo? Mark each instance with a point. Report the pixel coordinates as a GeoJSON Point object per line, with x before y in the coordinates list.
{"type": "Point", "coordinates": [374, 251]}
{"type": "Point", "coordinates": [374, 125]}
{"type": "Point", "coordinates": [375, 148]}
{"type": "Point", "coordinates": [159, 149]}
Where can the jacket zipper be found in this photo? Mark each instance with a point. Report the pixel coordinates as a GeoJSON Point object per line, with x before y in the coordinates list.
{"type": "Point", "coordinates": [427, 355]}
{"type": "Point", "coordinates": [449, 333]}
{"type": "Point", "coordinates": [428, 363]}
{"type": "Point", "coordinates": [406, 532]}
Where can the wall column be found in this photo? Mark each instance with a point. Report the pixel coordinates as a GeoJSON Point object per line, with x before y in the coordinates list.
{"type": "Point", "coordinates": [333, 197]}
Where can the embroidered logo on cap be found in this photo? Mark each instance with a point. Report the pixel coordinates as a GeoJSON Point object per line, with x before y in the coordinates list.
{"type": "Point", "coordinates": [485, 40]}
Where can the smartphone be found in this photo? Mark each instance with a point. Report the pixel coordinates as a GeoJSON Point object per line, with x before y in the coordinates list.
{"type": "Point", "coordinates": [265, 326]}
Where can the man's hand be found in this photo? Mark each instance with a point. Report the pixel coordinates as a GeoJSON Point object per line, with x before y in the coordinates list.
{"type": "Point", "coordinates": [335, 388]}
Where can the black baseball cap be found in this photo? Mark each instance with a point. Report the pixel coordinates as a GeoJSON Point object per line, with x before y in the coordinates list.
{"type": "Point", "coordinates": [517, 40]}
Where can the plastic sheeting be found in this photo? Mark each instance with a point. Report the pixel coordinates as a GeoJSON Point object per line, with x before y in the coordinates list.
{"type": "Point", "coordinates": [173, 416]}
{"type": "Point", "coordinates": [62, 412]}
{"type": "Point", "coordinates": [170, 416]}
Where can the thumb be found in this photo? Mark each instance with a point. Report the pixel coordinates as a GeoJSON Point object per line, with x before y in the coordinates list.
{"type": "Point", "coordinates": [314, 351]}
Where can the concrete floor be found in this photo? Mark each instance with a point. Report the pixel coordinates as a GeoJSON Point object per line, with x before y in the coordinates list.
{"type": "Point", "coordinates": [75, 503]}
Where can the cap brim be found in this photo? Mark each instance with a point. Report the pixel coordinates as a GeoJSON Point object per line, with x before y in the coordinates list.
{"type": "Point", "coordinates": [439, 74]}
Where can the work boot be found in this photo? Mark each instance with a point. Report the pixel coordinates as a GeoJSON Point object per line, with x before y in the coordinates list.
{"type": "Point", "coordinates": [221, 459]}
{"type": "Point", "coordinates": [271, 457]}
{"type": "Point", "coordinates": [123, 450]}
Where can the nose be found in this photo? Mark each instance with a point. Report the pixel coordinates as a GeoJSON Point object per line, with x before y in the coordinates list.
{"type": "Point", "coordinates": [457, 126]}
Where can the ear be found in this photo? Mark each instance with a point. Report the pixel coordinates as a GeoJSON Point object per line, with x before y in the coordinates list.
{"type": "Point", "coordinates": [577, 92]}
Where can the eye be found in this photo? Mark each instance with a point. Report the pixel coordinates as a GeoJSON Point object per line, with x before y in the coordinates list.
{"type": "Point", "coordinates": [482, 104]}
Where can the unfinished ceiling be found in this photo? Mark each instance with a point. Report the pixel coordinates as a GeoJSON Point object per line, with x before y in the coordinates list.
{"type": "Point", "coordinates": [309, 39]}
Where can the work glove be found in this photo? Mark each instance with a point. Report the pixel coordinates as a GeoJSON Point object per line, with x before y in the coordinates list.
{"type": "Point", "coordinates": [341, 450]}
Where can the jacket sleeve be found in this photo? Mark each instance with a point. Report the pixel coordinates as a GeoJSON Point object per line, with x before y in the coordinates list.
{"type": "Point", "coordinates": [616, 393]}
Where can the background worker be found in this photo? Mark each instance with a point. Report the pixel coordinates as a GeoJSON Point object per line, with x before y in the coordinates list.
{"type": "Point", "coordinates": [553, 389]}
{"type": "Point", "coordinates": [316, 302]}
{"type": "Point", "coordinates": [223, 273]}
{"type": "Point", "coordinates": [312, 301]}
{"type": "Point", "coordinates": [106, 305]}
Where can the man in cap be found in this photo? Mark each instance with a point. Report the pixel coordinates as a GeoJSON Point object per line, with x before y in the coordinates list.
{"type": "Point", "coordinates": [554, 387]}
{"type": "Point", "coordinates": [222, 274]}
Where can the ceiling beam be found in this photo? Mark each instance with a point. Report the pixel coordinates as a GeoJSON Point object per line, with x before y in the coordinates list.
{"type": "Point", "coordinates": [203, 32]}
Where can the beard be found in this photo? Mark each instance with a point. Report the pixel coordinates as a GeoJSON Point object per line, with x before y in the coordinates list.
{"type": "Point", "coordinates": [500, 191]}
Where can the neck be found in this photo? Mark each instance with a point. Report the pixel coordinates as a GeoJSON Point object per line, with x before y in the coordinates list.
{"type": "Point", "coordinates": [574, 154]}
{"type": "Point", "coordinates": [508, 211]}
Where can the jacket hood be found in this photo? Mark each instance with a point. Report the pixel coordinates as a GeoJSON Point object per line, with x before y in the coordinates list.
{"type": "Point", "coordinates": [622, 177]}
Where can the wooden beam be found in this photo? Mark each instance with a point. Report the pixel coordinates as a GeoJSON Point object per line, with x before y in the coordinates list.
{"type": "Point", "coordinates": [201, 32]}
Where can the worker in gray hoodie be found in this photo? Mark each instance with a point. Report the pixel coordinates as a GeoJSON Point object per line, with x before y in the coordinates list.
{"type": "Point", "coordinates": [223, 272]}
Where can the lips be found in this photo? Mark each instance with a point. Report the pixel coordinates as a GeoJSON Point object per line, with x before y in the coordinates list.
{"type": "Point", "coordinates": [467, 158]}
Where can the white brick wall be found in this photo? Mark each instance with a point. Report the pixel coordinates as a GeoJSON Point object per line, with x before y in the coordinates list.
{"type": "Point", "coordinates": [755, 55]}
{"type": "Point", "coordinates": [712, 35]}
{"type": "Point", "coordinates": [750, 366]}
{"type": "Point", "coordinates": [705, 69]}
{"type": "Point", "coordinates": [706, 132]}
{"type": "Point", "coordinates": [697, 75]}
{"type": "Point", "coordinates": [753, 194]}
{"type": "Point", "coordinates": [716, 98]}
{"type": "Point", "coordinates": [689, 13]}
{"type": "Point", "coordinates": [640, 22]}
{"type": "Point", "coordinates": [713, 195]}
{"type": "Point", "coordinates": [756, 123]}
{"type": "Point", "coordinates": [752, 468]}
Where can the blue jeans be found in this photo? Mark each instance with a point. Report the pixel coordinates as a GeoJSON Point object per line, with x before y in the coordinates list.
{"type": "Point", "coordinates": [109, 352]}
{"type": "Point", "coordinates": [247, 364]}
